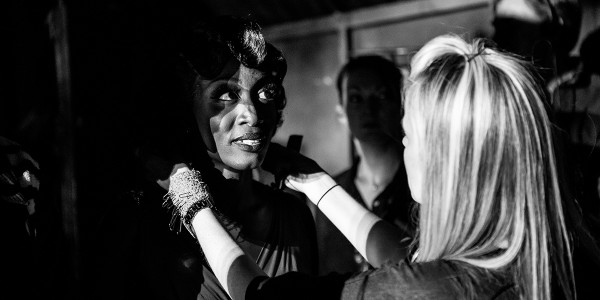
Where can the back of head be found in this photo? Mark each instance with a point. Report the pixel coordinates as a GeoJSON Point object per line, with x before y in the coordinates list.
{"type": "Point", "coordinates": [491, 198]}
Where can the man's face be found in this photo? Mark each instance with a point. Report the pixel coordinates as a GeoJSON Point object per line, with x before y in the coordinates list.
{"type": "Point", "coordinates": [372, 105]}
{"type": "Point", "coordinates": [237, 115]}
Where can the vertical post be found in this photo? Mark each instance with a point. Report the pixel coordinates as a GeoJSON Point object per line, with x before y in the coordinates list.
{"type": "Point", "coordinates": [65, 146]}
{"type": "Point", "coordinates": [344, 38]}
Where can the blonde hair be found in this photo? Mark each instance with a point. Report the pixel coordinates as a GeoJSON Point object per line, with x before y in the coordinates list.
{"type": "Point", "coordinates": [491, 196]}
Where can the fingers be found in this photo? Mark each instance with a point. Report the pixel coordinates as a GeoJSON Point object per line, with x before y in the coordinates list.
{"type": "Point", "coordinates": [157, 167]}
{"type": "Point", "coordinates": [291, 185]}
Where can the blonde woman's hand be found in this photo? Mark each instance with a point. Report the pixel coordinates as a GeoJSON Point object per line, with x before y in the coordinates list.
{"type": "Point", "coordinates": [296, 170]}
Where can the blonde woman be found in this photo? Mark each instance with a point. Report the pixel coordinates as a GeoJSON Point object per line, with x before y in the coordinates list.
{"type": "Point", "coordinates": [480, 162]}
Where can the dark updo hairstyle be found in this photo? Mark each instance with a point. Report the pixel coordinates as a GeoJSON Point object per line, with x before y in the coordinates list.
{"type": "Point", "coordinates": [378, 64]}
{"type": "Point", "coordinates": [210, 45]}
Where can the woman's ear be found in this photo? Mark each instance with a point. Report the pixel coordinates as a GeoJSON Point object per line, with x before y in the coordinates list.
{"type": "Point", "coordinates": [341, 114]}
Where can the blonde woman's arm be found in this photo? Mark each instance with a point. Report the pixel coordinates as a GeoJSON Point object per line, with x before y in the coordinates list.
{"type": "Point", "coordinates": [375, 239]}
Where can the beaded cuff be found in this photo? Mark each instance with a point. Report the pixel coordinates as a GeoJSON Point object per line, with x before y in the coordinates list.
{"type": "Point", "coordinates": [187, 195]}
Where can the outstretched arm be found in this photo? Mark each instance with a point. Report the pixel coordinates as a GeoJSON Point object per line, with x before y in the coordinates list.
{"type": "Point", "coordinates": [233, 268]}
{"type": "Point", "coordinates": [192, 202]}
{"type": "Point", "coordinates": [375, 239]}
{"type": "Point", "coordinates": [239, 275]}
{"type": "Point", "coordinates": [236, 271]}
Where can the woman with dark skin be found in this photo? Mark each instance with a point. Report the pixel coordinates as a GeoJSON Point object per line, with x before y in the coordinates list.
{"type": "Point", "coordinates": [232, 84]}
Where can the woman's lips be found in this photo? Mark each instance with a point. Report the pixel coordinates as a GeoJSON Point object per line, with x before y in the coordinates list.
{"type": "Point", "coordinates": [250, 142]}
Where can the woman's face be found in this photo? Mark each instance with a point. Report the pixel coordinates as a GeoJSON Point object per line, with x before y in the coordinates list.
{"type": "Point", "coordinates": [237, 115]}
{"type": "Point", "coordinates": [412, 160]}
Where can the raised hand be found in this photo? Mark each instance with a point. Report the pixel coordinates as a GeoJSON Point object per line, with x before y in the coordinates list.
{"type": "Point", "coordinates": [159, 165]}
{"type": "Point", "coordinates": [170, 149]}
{"type": "Point", "coordinates": [295, 169]}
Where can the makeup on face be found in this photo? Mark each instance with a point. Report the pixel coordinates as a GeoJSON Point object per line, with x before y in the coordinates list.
{"type": "Point", "coordinates": [237, 115]}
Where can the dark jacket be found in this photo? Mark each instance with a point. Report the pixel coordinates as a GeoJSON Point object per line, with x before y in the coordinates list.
{"type": "Point", "coordinates": [433, 280]}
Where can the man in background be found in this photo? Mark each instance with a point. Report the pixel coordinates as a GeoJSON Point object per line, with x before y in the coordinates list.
{"type": "Point", "coordinates": [369, 89]}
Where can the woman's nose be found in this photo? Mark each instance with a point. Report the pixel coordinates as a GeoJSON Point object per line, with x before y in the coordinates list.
{"type": "Point", "coordinates": [248, 114]}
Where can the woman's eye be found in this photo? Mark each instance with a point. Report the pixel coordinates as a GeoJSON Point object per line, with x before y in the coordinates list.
{"type": "Point", "coordinates": [228, 96]}
{"type": "Point", "coordinates": [266, 95]}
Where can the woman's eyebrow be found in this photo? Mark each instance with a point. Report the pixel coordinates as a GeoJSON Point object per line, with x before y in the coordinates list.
{"type": "Point", "coordinates": [218, 79]}
{"type": "Point", "coordinates": [267, 81]}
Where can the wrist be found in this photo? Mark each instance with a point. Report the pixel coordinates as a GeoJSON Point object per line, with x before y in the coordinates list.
{"type": "Point", "coordinates": [193, 210]}
{"type": "Point", "coordinates": [188, 194]}
{"type": "Point", "coordinates": [315, 189]}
